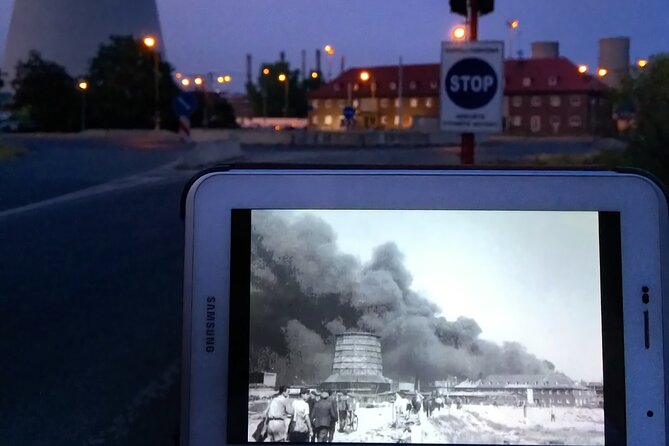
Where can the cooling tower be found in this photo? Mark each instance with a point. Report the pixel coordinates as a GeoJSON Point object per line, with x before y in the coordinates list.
{"type": "Point", "coordinates": [541, 50]}
{"type": "Point", "coordinates": [357, 365]}
{"type": "Point", "coordinates": [69, 32]}
{"type": "Point", "coordinates": [614, 55]}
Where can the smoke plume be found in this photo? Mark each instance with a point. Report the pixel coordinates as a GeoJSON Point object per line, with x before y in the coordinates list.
{"type": "Point", "coordinates": [304, 291]}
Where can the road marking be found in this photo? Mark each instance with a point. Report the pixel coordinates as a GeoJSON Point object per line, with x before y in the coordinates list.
{"type": "Point", "coordinates": [160, 174]}
{"type": "Point", "coordinates": [155, 390]}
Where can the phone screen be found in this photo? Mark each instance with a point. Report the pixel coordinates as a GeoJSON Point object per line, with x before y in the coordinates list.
{"type": "Point", "coordinates": [427, 326]}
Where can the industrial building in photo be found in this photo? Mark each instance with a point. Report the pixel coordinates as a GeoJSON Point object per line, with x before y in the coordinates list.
{"type": "Point", "coordinates": [69, 32]}
{"type": "Point", "coordinates": [554, 389]}
{"type": "Point", "coordinates": [545, 95]}
{"type": "Point", "coordinates": [357, 365]}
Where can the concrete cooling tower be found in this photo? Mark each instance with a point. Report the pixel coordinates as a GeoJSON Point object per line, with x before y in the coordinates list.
{"type": "Point", "coordinates": [357, 365]}
{"type": "Point", "coordinates": [69, 32]}
{"type": "Point", "coordinates": [614, 55]}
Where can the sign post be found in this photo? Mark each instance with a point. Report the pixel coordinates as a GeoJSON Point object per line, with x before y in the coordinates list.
{"type": "Point", "coordinates": [184, 106]}
{"type": "Point", "coordinates": [472, 75]}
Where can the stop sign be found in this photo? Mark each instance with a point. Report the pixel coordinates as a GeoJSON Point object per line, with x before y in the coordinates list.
{"type": "Point", "coordinates": [471, 83]}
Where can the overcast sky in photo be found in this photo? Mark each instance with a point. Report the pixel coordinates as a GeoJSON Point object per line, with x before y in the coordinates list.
{"type": "Point", "coordinates": [530, 277]}
{"type": "Point", "coordinates": [215, 35]}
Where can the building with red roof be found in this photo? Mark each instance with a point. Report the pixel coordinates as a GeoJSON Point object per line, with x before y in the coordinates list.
{"type": "Point", "coordinates": [543, 96]}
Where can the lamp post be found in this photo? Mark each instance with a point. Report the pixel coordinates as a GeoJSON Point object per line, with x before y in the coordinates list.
{"type": "Point", "coordinates": [265, 73]}
{"type": "Point", "coordinates": [83, 86]}
{"type": "Point", "coordinates": [365, 76]}
{"type": "Point", "coordinates": [152, 43]}
{"type": "Point", "coordinates": [283, 78]}
{"type": "Point", "coordinates": [329, 50]}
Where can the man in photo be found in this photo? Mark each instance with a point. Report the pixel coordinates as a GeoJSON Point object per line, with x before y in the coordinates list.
{"type": "Point", "coordinates": [301, 430]}
{"type": "Point", "coordinates": [278, 413]}
{"type": "Point", "coordinates": [323, 417]}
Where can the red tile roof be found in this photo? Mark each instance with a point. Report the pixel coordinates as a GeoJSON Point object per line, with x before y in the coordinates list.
{"type": "Point", "coordinates": [425, 79]}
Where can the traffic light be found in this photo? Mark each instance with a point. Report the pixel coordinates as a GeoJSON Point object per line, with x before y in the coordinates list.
{"type": "Point", "coordinates": [460, 7]}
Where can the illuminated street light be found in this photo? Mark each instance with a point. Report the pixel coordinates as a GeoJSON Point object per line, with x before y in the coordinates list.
{"type": "Point", "coordinates": [185, 82]}
{"type": "Point", "coordinates": [314, 74]}
{"type": "Point", "coordinates": [514, 24]}
{"type": "Point", "coordinates": [459, 33]}
{"type": "Point", "coordinates": [227, 78]}
{"type": "Point", "coordinates": [641, 63]}
{"type": "Point", "coordinates": [220, 79]}
{"type": "Point", "coordinates": [329, 50]}
{"type": "Point", "coordinates": [149, 41]}
{"type": "Point", "coordinates": [364, 76]}
{"type": "Point", "coordinates": [178, 75]}
{"type": "Point", "coordinates": [198, 81]}
{"type": "Point", "coordinates": [83, 85]}
{"type": "Point", "coordinates": [265, 71]}
{"type": "Point", "coordinates": [602, 72]}
{"type": "Point", "coordinates": [282, 77]}
{"type": "Point", "coordinates": [582, 69]}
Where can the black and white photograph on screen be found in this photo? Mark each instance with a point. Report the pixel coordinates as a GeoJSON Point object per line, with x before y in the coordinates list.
{"type": "Point", "coordinates": [441, 327]}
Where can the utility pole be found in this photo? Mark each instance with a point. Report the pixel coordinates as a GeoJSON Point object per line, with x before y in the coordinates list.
{"type": "Point", "coordinates": [468, 140]}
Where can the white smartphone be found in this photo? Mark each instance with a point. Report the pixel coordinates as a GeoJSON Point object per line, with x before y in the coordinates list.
{"type": "Point", "coordinates": [424, 306]}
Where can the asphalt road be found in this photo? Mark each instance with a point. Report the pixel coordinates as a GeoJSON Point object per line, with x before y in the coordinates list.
{"type": "Point", "coordinates": [90, 320]}
{"type": "Point", "coordinates": [56, 165]}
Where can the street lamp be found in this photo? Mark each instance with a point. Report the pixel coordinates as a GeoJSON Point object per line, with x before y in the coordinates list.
{"type": "Point", "coordinates": [513, 24]}
{"type": "Point", "coordinates": [83, 86]}
{"type": "Point", "coordinates": [329, 50]}
{"type": "Point", "coordinates": [582, 69]}
{"type": "Point", "coordinates": [641, 63]}
{"type": "Point", "coordinates": [365, 76]}
{"type": "Point", "coordinates": [284, 79]}
{"type": "Point", "coordinates": [185, 82]}
{"type": "Point", "coordinates": [314, 74]}
{"type": "Point", "coordinates": [198, 81]}
{"type": "Point", "coordinates": [602, 72]}
{"type": "Point", "coordinates": [151, 43]}
{"type": "Point", "coordinates": [265, 71]}
{"type": "Point", "coordinates": [459, 33]}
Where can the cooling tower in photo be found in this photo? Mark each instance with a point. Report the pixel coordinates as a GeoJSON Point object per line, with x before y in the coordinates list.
{"type": "Point", "coordinates": [69, 32]}
{"type": "Point", "coordinates": [614, 55]}
{"type": "Point", "coordinates": [357, 365]}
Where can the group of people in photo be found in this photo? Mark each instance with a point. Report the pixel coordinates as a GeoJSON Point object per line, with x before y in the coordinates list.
{"type": "Point", "coordinates": [313, 417]}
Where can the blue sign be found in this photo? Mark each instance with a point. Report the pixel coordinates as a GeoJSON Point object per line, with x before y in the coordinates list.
{"type": "Point", "coordinates": [349, 112]}
{"type": "Point", "coordinates": [185, 104]}
{"type": "Point", "coordinates": [471, 83]}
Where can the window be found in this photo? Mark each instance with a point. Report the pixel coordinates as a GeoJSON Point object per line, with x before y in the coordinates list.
{"type": "Point", "coordinates": [535, 124]}
{"type": "Point", "coordinates": [328, 120]}
{"type": "Point", "coordinates": [429, 102]}
{"type": "Point", "coordinates": [413, 85]}
{"type": "Point", "coordinates": [552, 81]}
{"type": "Point", "coordinates": [393, 86]}
{"type": "Point", "coordinates": [536, 101]}
{"type": "Point", "coordinates": [413, 103]}
{"type": "Point", "coordinates": [527, 81]}
{"type": "Point", "coordinates": [336, 87]}
{"type": "Point", "coordinates": [517, 121]}
{"type": "Point", "coordinates": [384, 120]}
{"type": "Point", "coordinates": [550, 392]}
{"type": "Point", "coordinates": [397, 102]}
{"type": "Point", "coordinates": [575, 121]}
{"type": "Point", "coordinates": [314, 119]}
{"type": "Point", "coordinates": [575, 101]}
{"type": "Point", "coordinates": [314, 103]}
{"type": "Point", "coordinates": [356, 103]}
{"type": "Point", "coordinates": [566, 401]}
{"type": "Point", "coordinates": [384, 102]}
{"type": "Point", "coordinates": [555, 101]}
{"type": "Point", "coordinates": [341, 103]}
{"type": "Point", "coordinates": [558, 392]}
{"type": "Point", "coordinates": [328, 103]}
{"type": "Point", "coordinates": [542, 391]}
{"type": "Point", "coordinates": [356, 87]}
{"type": "Point", "coordinates": [517, 101]}
{"type": "Point", "coordinates": [397, 120]}
{"type": "Point", "coordinates": [434, 85]}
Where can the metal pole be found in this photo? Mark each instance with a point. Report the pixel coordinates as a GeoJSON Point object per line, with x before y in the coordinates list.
{"type": "Point", "coordinates": [400, 91]}
{"type": "Point", "coordinates": [468, 139]}
{"type": "Point", "coordinates": [83, 110]}
{"type": "Point", "coordinates": [287, 93]}
{"type": "Point", "coordinates": [156, 81]}
{"type": "Point", "coordinates": [349, 89]}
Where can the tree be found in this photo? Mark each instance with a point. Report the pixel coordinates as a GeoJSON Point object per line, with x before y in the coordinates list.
{"type": "Point", "coordinates": [121, 86]}
{"type": "Point", "coordinates": [219, 112]}
{"type": "Point", "coordinates": [268, 86]}
{"type": "Point", "coordinates": [647, 94]}
{"type": "Point", "coordinates": [45, 95]}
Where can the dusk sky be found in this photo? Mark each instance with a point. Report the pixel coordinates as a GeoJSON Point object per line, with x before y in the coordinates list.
{"type": "Point", "coordinates": [215, 35]}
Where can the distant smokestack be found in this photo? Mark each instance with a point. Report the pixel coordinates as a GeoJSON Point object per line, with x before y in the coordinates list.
{"type": "Point", "coordinates": [342, 67]}
{"type": "Point", "coordinates": [543, 50]}
{"type": "Point", "coordinates": [304, 64]}
{"type": "Point", "coordinates": [282, 56]}
{"type": "Point", "coordinates": [249, 68]}
{"type": "Point", "coordinates": [318, 61]}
